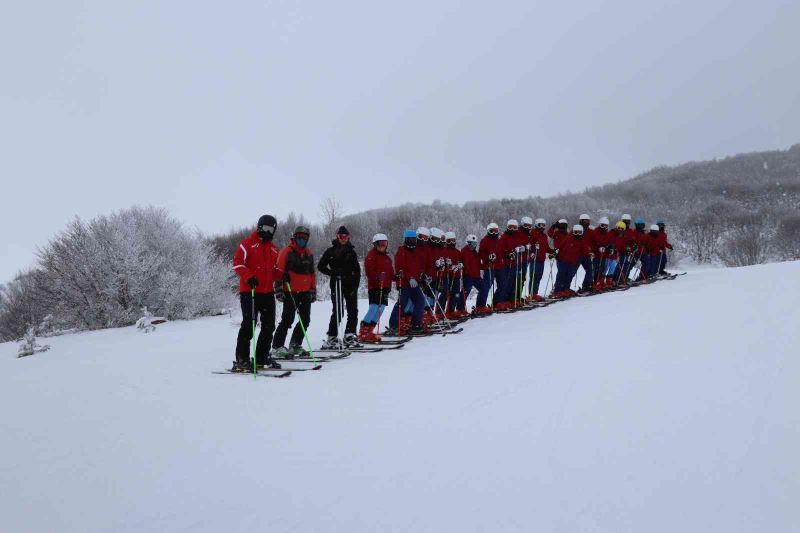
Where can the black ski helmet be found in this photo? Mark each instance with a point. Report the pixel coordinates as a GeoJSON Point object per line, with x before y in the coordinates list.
{"type": "Point", "coordinates": [267, 224]}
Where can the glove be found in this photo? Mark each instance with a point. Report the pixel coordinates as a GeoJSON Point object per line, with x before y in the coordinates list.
{"type": "Point", "coordinates": [591, 255]}
{"type": "Point", "coordinates": [455, 268]}
{"type": "Point", "coordinates": [519, 249]}
{"type": "Point", "coordinates": [602, 249]}
{"type": "Point", "coordinates": [426, 278]}
{"type": "Point", "coordinates": [439, 263]}
{"type": "Point", "coordinates": [552, 255]}
{"type": "Point", "coordinates": [413, 283]}
{"type": "Point", "coordinates": [628, 249]}
{"type": "Point", "coordinates": [252, 282]}
{"type": "Point", "coordinates": [312, 295]}
{"type": "Point", "coordinates": [448, 262]}
{"type": "Point", "coordinates": [277, 287]}
{"type": "Point", "coordinates": [512, 256]}
{"type": "Point", "coordinates": [492, 257]}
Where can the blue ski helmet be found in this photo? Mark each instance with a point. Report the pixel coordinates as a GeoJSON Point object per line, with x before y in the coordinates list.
{"type": "Point", "coordinates": [639, 222]}
{"type": "Point", "coordinates": [409, 234]}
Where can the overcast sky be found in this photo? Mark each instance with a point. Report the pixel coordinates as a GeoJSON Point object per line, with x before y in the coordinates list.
{"type": "Point", "coordinates": [223, 111]}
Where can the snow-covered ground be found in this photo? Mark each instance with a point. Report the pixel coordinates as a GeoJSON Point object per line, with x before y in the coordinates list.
{"type": "Point", "coordinates": [667, 408]}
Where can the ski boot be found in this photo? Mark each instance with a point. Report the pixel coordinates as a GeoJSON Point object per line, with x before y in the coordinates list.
{"type": "Point", "coordinates": [298, 351]}
{"type": "Point", "coordinates": [366, 334]}
{"type": "Point", "coordinates": [350, 341]}
{"type": "Point", "coordinates": [269, 363]}
{"type": "Point", "coordinates": [242, 366]}
{"type": "Point", "coordinates": [331, 343]}
{"type": "Point", "coordinates": [281, 353]}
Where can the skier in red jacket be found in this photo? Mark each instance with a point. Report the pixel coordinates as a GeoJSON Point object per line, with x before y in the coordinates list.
{"type": "Point", "coordinates": [492, 260]}
{"type": "Point", "coordinates": [662, 236]}
{"type": "Point", "coordinates": [380, 272]}
{"type": "Point", "coordinates": [254, 262]}
{"type": "Point", "coordinates": [472, 277]}
{"type": "Point", "coordinates": [297, 278]}
{"type": "Point", "coordinates": [572, 251]}
{"type": "Point", "coordinates": [540, 247]}
{"type": "Point", "coordinates": [453, 276]}
{"type": "Point", "coordinates": [409, 267]}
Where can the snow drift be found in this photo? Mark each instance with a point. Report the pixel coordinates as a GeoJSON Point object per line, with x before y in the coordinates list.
{"type": "Point", "coordinates": [670, 407]}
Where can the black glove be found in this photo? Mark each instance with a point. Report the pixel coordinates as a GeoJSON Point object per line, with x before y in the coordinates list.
{"type": "Point", "coordinates": [277, 287]}
{"type": "Point", "coordinates": [552, 255]}
{"type": "Point", "coordinates": [512, 256]}
{"type": "Point", "coordinates": [252, 282]}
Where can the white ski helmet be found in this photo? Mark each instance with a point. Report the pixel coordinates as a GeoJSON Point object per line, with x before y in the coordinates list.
{"type": "Point", "coordinates": [380, 237]}
{"type": "Point", "coordinates": [541, 222]}
{"type": "Point", "coordinates": [562, 221]}
{"type": "Point", "coordinates": [577, 228]}
{"type": "Point", "coordinates": [450, 236]}
{"type": "Point", "coordinates": [527, 220]}
{"type": "Point", "coordinates": [422, 230]}
{"type": "Point", "coordinates": [512, 222]}
{"type": "Point", "coordinates": [585, 217]}
{"type": "Point", "coordinates": [605, 221]}
{"type": "Point", "coordinates": [437, 233]}
{"type": "Point", "coordinates": [654, 227]}
{"type": "Point", "coordinates": [471, 238]}
{"type": "Point", "coordinates": [626, 217]}
{"type": "Point", "coordinates": [492, 226]}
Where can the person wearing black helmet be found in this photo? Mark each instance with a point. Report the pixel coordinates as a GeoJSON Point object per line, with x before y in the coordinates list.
{"type": "Point", "coordinates": [295, 276]}
{"type": "Point", "coordinates": [340, 262]}
{"type": "Point", "coordinates": [254, 263]}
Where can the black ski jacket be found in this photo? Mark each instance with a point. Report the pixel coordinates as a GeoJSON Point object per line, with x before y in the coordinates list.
{"type": "Point", "coordinates": [341, 260]}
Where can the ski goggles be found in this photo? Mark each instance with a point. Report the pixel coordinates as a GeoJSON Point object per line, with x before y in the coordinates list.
{"type": "Point", "coordinates": [436, 240]}
{"type": "Point", "coordinates": [421, 237]}
{"type": "Point", "coordinates": [512, 227]}
{"type": "Point", "coordinates": [603, 226]}
{"type": "Point", "coordinates": [494, 231]}
{"type": "Point", "coordinates": [540, 226]}
{"type": "Point", "coordinates": [451, 241]}
{"type": "Point", "coordinates": [267, 229]}
{"type": "Point", "coordinates": [527, 226]}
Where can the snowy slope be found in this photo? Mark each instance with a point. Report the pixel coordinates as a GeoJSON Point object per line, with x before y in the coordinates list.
{"type": "Point", "coordinates": [667, 408]}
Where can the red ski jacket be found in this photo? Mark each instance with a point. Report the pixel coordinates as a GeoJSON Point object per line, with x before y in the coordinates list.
{"type": "Point", "coordinates": [509, 241]}
{"type": "Point", "coordinates": [489, 246]}
{"type": "Point", "coordinates": [662, 238]}
{"type": "Point", "coordinates": [640, 241]}
{"type": "Point", "coordinates": [472, 262]}
{"type": "Point", "coordinates": [379, 270]}
{"type": "Point", "coordinates": [426, 251]}
{"type": "Point", "coordinates": [435, 253]}
{"type": "Point", "coordinates": [616, 244]}
{"type": "Point", "coordinates": [572, 250]}
{"type": "Point", "coordinates": [601, 240]}
{"type": "Point", "coordinates": [653, 245]}
{"type": "Point", "coordinates": [558, 237]}
{"type": "Point", "coordinates": [296, 265]}
{"type": "Point", "coordinates": [540, 238]}
{"type": "Point", "coordinates": [255, 258]}
{"type": "Point", "coordinates": [453, 254]}
{"type": "Point", "coordinates": [411, 263]}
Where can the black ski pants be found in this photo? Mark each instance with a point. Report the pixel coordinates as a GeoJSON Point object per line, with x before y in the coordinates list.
{"type": "Point", "coordinates": [302, 309]}
{"type": "Point", "coordinates": [348, 301]}
{"type": "Point", "coordinates": [264, 306]}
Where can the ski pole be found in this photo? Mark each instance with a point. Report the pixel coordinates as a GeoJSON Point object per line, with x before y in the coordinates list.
{"type": "Point", "coordinates": [435, 303]}
{"type": "Point", "coordinates": [380, 301]}
{"type": "Point", "coordinates": [253, 315]}
{"type": "Point", "coordinates": [491, 283]}
{"type": "Point", "coordinates": [300, 319]}
{"type": "Point", "coordinates": [549, 277]}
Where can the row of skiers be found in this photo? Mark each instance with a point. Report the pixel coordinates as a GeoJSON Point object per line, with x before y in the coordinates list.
{"type": "Point", "coordinates": [432, 274]}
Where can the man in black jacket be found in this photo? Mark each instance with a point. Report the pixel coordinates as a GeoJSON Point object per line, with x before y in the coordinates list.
{"type": "Point", "coordinates": [340, 262]}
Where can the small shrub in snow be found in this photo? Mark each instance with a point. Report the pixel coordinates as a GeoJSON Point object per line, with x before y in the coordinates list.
{"type": "Point", "coordinates": [29, 346]}
{"type": "Point", "coordinates": [147, 323]}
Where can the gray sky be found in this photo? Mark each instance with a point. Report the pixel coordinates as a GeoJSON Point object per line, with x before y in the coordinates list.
{"type": "Point", "coordinates": [221, 112]}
